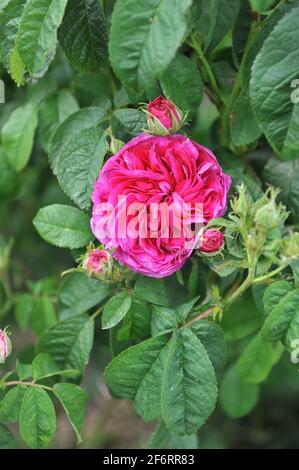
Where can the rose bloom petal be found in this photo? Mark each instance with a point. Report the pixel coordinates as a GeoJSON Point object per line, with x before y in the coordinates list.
{"type": "Point", "coordinates": [170, 171]}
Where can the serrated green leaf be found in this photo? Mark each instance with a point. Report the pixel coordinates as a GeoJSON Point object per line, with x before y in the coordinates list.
{"type": "Point", "coordinates": [143, 42]}
{"type": "Point", "coordinates": [43, 366]}
{"type": "Point", "coordinates": [18, 135]}
{"type": "Point", "coordinates": [225, 16]}
{"type": "Point", "coordinates": [24, 371]}
{"type": "Point", "coordinates": [37, 34]}
{"type": "Point", "coordinates": [83, 35]}
{"type": "Point", "coordinates": [211, 336]}
{"type": "Point", "coordinates": [17, 67]}
{"type": "Point", "coordinates": [274, 293]}
{"type": "Point", "coordinates": [37, 418]}
{"type": "Point", "coordinates": [11, 404]}
{"type": "Point", "coordinates": [237, 398]}
{"type": "Point", "coordinates": [127, 123]}
{"type": "Point", "coordinates": [152, 291]}
{"type": "Point", "coordinates": [63, 226]}
{"type": "Point", "coordinates": [136, 374]}
{"type": "Point", "coordinates": [189, 389]}
{"type": "Point", "coordinates": [83, 119]}
{"type": "Point", "coordinates": [79, 165]}
{"type": "Point", "coordinates": [270, 86]}
{"type": "Point", "coordinates": [69, 342]}
{"type": "Point", "coordinates": [53, 112]}
{"type": "Point", "coordinates": [136, 323]}
{"type": "Point", "coordinates": [244, 129]}
{"type": "Point", "coordinates": [10, 17]}
{"type": "Point", "coordinates": [283, 317]}
{"type": "Point", "coordinates": [79, 293]}
{"type": "Point", "coordinates": [73, 400]}
{"type": "Point", "coordinates": [182, 83]}
{"type": "Point", "coordinates": [164, 318]}
{"type": "Point", "coordinates": [116, 309]}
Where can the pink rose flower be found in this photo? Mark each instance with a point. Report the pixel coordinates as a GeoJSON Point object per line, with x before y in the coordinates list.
{"type": "Point", "coordinates": [211, 241]}
{"type": "Point", "coordinates": [168, 172]}
{"type": "Point", "coordinates": [5, 346]}
{"type": "Point", "coordinates": [163, 116]}
{"type": "Point", "coordinates": [97, 261]}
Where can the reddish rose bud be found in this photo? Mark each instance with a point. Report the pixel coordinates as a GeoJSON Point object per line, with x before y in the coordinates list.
{"type": "Point", "coordinates": [97, 262]}
{"type": "Point", "coordinates": [212, 241]}
{"type": "Point", "coordinates": [163, 117]}
{"type": "Point", "coordinates": [5, 346]}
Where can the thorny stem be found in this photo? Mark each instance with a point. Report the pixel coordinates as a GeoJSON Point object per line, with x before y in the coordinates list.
{"type": "Point", "coordinates": [200, 316]}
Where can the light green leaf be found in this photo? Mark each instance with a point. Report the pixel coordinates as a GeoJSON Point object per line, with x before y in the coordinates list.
{"type": "Point", "coordinates": [116, 309]}
{"type": "Point", "coordinates": [23, 310]}
{"type": "Point", "coordinates": [37, 34]}
{"type": "Point", "coordinates": [73, 400]}
{"type": "Point", "coordinates": [256, 361]}
{"type": "Point", "coordinates": [24, 370]}
{"type": "Point", "coordinates": [145, 37]}
{"type": "Point", "coordinates": [270, 86]}
{"type": "Point", "coordinates": [69, 342]}
{"type": "Point", "coordinates": [79, 293]}
{"type": "Point", "coordinates": [76, 122]}
{"type": "Point", "coordinates": [189, 389]}
{"type": "Point", "coordinates": [83, 35]}
{"type": "Point", "coordinates": [43, 366]}
{"type": "Point", "coordinates": [37, 418]}
{"type": "Point", "coordinates": [53, 112]}
{"type": "Point", "coordinates": [79, 165]}
{"type": "Point", "coordinates": [182, 83]}
{"type": "Point", "coordinates": [18, 135]}
{"type": "Point", "coordinates": [237, 398]}
{"type": "Point", "coordinates": [63, 226]}
{"type": "Point", "coordinates": [11, 404]}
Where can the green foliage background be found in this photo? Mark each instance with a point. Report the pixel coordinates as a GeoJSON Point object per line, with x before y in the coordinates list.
{"type": "Point", "coordinates": [75, 74]}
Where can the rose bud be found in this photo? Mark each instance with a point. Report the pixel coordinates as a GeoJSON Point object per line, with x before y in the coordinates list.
{"type": "Point", "coordinates": [97, 262]}
{"type": "Point", "coordinates": [211, 242]}
{"type": "Point", "coordinates": [163, 117]}
{"type": "Point", "coordinates": [5, 346]}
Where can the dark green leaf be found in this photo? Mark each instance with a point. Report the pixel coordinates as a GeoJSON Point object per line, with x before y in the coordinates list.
{"type": "Point", "coordinates": [7, 441]}
{"type": "Point", "coordinates": [116, 309]}
{"type": "Point", "coordinates": [37, 418]}
{"type": "Point", "coordinates": [83, 34]}
{"type": "Point", "coordinates": [79, 165]}
{"type": "Point", "coordinates": [69, 342]}
{"type": "Point", "coordinates": [43, 315]}
{"type": "Point", "coordinates": [189, 389]}
{"type": "Point", "coordinates": [43, 367]}
{"type": "Point", "coordinates": [63, 226]}
{"type": "Point", "coordinates": [152, 291]}
{"type": "Point", "coordinates": [73, 400]}
{"type": "Point", "coordinates": [127, 123]}
{"type": "Point", "coordinates": [164, 439]}
{"type": "Point", "coordinates": [11, 404]}
{"type": "Point", "coordinates": [145, 37]}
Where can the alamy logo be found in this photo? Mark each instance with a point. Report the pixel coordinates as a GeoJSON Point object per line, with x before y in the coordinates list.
{"type": "Point", "coordinates": [295, 93]}
{"type": "Point", "coordinates": [2, 92]}
{"type": "Point", "coordinates": [295, 352]}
